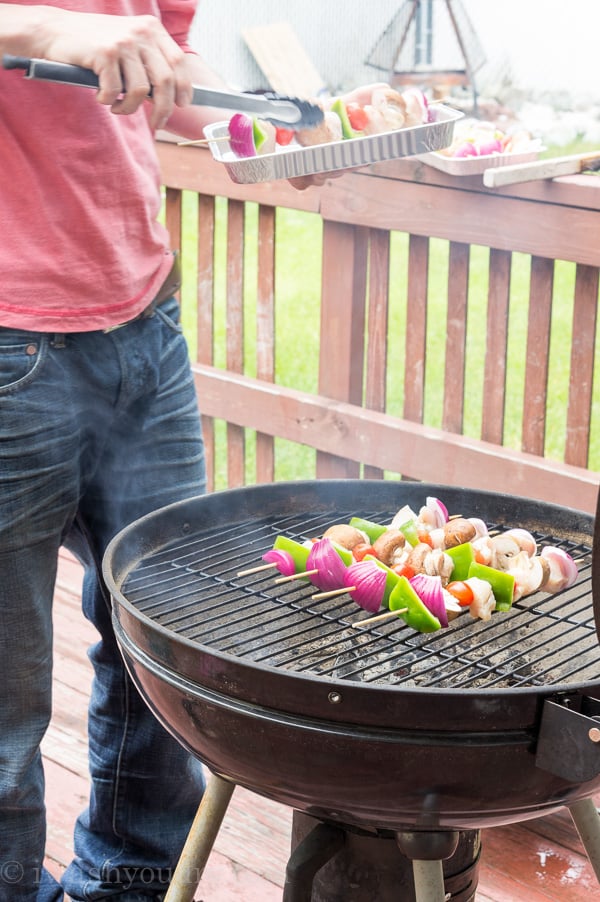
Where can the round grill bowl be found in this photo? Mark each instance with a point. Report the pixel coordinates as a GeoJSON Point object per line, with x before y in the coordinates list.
{"type": "Point", "coordinates": [379, 727]}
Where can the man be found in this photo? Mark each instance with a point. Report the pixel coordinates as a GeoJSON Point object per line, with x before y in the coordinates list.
{"type": "Point", "coordinates": [99, 421]}
{"type": "Point", "coordinates": [98, 417]}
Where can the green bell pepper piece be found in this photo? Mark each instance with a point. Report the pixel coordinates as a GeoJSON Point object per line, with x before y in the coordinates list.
{"type": "Point", "coordinates": [298, 552]}
{"type": "Point", "coordinates": [372, 530]}
{"type": "Point", "coordinates": [409, 531]}
{"type": "Point", "coordinates": [345, 553]}
{"type": "Point", "coordinates": [259, 135]}
{"type": "Point", "coordinates": [417, 614]}
{"type": "Point", "coordinates": [502, 584]}
{"type": "Point", "coordinates": [339, 107]}
{"type": "Point", "coordinates": [462, 557]}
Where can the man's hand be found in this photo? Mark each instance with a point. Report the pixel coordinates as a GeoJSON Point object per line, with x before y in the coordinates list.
{"type": "Point", "coordinates": [129, 54]}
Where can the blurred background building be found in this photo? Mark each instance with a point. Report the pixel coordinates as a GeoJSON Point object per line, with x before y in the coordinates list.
{"type": "Point", "coordinates": [536, 46]}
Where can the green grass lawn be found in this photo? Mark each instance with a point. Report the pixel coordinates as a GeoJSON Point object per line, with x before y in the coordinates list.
{"type": "Point", "coordinates": [297, 292]}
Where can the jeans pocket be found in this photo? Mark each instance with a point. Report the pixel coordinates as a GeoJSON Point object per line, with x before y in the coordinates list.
{"type": "Point", "coordinates": [20, 357]}
{"type": "Point", "coordinates": [170, 314]}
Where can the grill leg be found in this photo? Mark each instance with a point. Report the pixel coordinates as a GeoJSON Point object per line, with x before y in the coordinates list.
{"type": "Point", "coordinates": [427, 850]}
{"type": "Point", "coordinates": [200, 841]}
{"type": "Point", "coordinates": [429, 881]}
{"type": "Point", "coordinates": [315, 850]}
{"type": "Point", "coordinates": [587, 821]}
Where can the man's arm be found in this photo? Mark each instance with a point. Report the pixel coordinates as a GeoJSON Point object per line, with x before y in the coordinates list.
{"type": "Point", "coordinates": [189, 121]}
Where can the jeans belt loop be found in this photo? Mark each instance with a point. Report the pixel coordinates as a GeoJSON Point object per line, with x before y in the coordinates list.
{"type": "Point", "coordinates": [169, 287]}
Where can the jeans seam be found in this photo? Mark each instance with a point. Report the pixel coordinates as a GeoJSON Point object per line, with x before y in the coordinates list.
{"type": "Point", "coordinates": [126, 725]}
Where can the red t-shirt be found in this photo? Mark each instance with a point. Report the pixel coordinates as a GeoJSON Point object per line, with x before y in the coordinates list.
{"type": "Point", "coordinates": [80, 245]}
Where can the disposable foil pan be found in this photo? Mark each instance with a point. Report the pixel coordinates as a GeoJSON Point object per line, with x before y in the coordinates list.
{"type": "Point", "coordinates": [294, 161]}
{"type": "Point", "coordinates": [478, 165]}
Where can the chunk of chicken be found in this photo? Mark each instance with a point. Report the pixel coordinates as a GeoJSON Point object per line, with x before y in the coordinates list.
{"type": "Point", "coordinates": [483, 602]}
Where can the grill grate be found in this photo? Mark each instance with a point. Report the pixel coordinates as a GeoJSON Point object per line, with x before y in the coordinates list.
{"type": "Point", "coordinates": [191, 588]}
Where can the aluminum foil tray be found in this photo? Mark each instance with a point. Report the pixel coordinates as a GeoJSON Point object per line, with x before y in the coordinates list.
{"type": "Point", "coordinates": [294, 161]}
{"type": "Point", "coordinates": [478, 165]}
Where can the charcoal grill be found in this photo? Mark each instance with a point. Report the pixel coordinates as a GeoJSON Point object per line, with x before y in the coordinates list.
{"type": "Point", "coordinates": [378, 727]}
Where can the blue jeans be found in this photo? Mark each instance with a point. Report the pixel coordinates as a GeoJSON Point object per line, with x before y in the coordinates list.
{"type": "Point", "coordinates": [93, 435]}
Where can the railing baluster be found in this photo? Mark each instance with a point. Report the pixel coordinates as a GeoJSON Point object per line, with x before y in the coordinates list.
{"type": "Point", "coordinates": [265, 331]}
{"type": "Point", "coordinates": [416, 328]}
{"type": "Point", "coordinates": [173, 211]}
{"type": "Point", "coordinates": [585, 312]}
{"type": "Point", "coordinates": [235, 332]}
{"type": "Point", "coordinates": [377, 328]}
{"type": "Point", "coordinates": [342, 328]}
{"type": "Point", "coordinates": [205, 323]}
{"type": "Point", "coordinates": [494, 380]}
{"type": "Point", "coordinates": [538, 348]}
{"type": "Point", "coordinates": [456, 337]}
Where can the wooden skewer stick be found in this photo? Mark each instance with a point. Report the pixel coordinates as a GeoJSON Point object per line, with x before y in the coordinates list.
{"type": "Point", "coordinates": [292, 576]}
{"type": "Point", "coordinates": [380, 617]}
{"type": "Point", "coordinates": [257, 569]}
{"type": "Point", "coordinates": [332, 593]}
{"type": "Point", "coordinates": [191, 141]}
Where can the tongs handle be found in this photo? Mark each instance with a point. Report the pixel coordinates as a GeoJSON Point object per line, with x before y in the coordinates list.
{"type": "Point", "coordinates": [46, 70]}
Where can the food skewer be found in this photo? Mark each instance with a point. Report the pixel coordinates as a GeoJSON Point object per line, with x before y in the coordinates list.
{"type": "Point", "coordinates": [189, 142]}
{"type": "Point", "coordinates": [258, 569]}
{"type": "Point", "coordinates": [193, 141]}
{"type": "Point", "coordinates": [333, 592]}
{"type": "Point", "coordinates": [380, 617]}
{"type": "Point", "coordinates": [292, 576]}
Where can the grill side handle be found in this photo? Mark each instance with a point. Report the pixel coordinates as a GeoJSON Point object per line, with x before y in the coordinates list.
{"type": "Point", "coordinates": [569, 741]}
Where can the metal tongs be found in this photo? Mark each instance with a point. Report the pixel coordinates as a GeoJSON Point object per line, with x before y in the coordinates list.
{"type": "Point", "coordinates": [290, 112]}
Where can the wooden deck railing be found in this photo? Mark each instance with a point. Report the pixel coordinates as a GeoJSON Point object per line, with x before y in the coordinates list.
{"type": "Point", "coordinates": [419, 362]}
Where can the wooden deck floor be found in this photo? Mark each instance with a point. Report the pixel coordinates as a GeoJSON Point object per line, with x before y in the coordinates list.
{"type": "Point", "coordinates": [542, 861]}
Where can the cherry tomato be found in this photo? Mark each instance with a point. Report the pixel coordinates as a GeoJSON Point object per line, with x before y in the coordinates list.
{"type": "Point", "coordinates": [461, 591]}
{"type": "Point", "coordinates": [359, 118]}
{"type": "Point", "coordinates": [284, 136]}
{"type": "Point", "coordinates": [404, 570]}
{"type": "Point", "coordinates": [361, 550]}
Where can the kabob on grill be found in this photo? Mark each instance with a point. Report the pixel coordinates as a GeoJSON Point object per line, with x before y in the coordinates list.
{"type": "Point", "coordinates": [426, 567]}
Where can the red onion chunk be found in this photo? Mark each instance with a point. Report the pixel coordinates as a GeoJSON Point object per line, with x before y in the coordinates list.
{"type": "Point", "coordinates": [331, 569]}
{"type": "Point", "coordinates": [563, 569]}
{"type": "Point", "coordinates": [366, 583]}
{"type": "Point", "coordinates": [241, 135]}
{"type": "Point", "coordinates": [439, 511]}
{"type": "Point", "coordinates": [283, 560]}
{"type": "Point", "coordinates": [524, 540]}
{"type": "Point", "coordinates": [480, 527]}
{"type": "Point", "coordinates": [429, 590]}
{"type": "Point", "coordinates": [493, 145]}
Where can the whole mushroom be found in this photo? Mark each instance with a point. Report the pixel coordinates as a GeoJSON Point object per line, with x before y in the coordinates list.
{"type": "Point", "coordinates": [345, 535]}
{"type": "Point", "coordinates": [505, 549]}
{"type": "Point", "coordinates": [457, 531]}
{"type": "Point", "coordinates": [389, 545]}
